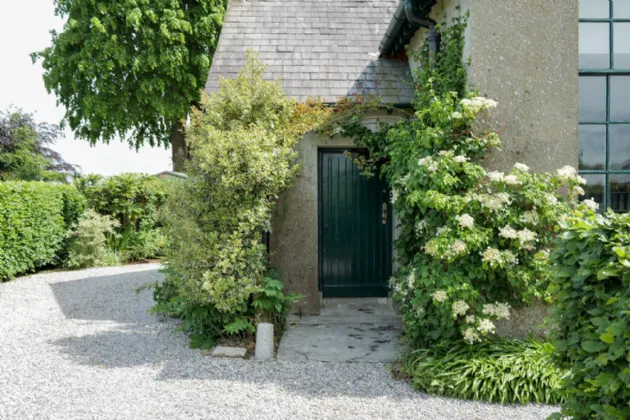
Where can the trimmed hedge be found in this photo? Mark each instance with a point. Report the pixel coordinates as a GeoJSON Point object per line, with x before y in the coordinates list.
{"type": "Point", "coordinates": [34, 218]}
{"type": "Point", "coordinates": [591, 281]}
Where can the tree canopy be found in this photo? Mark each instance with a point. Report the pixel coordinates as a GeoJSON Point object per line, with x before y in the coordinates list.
{"type": "Point", "coordinates": [131, 68]}
{"type": "Point", "coordinates": [24, 149]}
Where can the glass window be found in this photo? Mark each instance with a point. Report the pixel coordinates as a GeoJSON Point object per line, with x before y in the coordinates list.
{"type": "Point", "coordinates": [594, 189]}
{"type": "Point", "coordinates": [621, 9]}
{"type": "Point", "coordinates": [621, 44]}
{"type": "Point", "coordinates": [620, 192]}
{"type": "Point", "coordinates": [619, 98]}
{"type": "Point", "coordinates": [592, 99]}
{"type": "Point", "coordinates": [604, 109]}
{"type": "Point", "coordinates": [592, 147]}
{"type": "Point", "coordinates": [594, 9]}
{"type": "Point", "coordinates": [594, 45]}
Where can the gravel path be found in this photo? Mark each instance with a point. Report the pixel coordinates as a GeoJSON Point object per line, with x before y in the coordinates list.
{"type": "Point", "coordinates": [81, 345]}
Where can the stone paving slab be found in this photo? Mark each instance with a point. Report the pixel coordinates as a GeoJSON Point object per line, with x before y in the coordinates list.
{"type": "Point", "coordinates": [355, 332]}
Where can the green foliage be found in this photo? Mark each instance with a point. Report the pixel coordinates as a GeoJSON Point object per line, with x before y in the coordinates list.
{"type": "Point", "coordinates": [205, 324]}
{"type": "Point", "coordinates": [34, 217]}
{"type": "Point", "coordinates": [134, 201]}
{"type": "Point", "coordinates": [130, 68]}
{"type": "Point", "coordinates": [88, 241]}
{"type": "Point", "coordinates": [242, 157]}
{"type": "Point", "coordinates": [471, 243]}
{"type": "Point", "coordinates": [497, 371]}
{"type": "Point", "coordinates": [591, 284]}
{"type": "Point", "coordinates": [24, 149]}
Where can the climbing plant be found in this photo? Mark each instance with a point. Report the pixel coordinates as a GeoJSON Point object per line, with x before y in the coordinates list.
{"type": "Point", "coordinates": [471, 243]}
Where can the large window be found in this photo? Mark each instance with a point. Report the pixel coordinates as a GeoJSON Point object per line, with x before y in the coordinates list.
{"type": "Point", "coordinates": [604, 112]}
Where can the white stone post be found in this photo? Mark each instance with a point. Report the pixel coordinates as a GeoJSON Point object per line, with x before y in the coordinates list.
{"type": "Point", "coordinates": [264, 341]}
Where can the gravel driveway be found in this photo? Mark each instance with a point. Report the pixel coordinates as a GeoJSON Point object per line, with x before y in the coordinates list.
{"type": "Point", "coordinates": [81, 345]}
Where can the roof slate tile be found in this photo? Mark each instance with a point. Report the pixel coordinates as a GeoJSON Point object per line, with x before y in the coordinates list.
{"type": "Point", "coordinates": [326, 48]}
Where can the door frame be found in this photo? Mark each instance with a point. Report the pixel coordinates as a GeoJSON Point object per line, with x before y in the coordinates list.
{"type": "Point", "coordinates": [320, 152]}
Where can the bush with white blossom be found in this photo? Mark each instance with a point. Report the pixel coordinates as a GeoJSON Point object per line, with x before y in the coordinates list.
{"type": "Point", "coordinates": [472, 242]}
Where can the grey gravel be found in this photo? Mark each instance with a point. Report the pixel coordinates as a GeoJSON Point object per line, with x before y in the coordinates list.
{"type": "Point", "coordinates": [81, 345]}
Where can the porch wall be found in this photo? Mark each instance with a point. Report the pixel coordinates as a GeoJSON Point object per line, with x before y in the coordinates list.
{"type": "Point", "coordinates": [294, 223]}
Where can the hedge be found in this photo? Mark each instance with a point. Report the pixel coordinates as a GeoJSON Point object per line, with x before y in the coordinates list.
{"type": "Point", "coordinates": [34, 218]}
{"type": "Point", "coordinates": [591, 281]}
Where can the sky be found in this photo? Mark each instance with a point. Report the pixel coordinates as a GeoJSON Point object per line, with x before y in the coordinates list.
{"type": "Point", "coordinates": [24, 28]}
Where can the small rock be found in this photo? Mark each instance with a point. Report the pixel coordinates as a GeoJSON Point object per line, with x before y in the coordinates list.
{"type": "Point", "coordinates": [222, 351]}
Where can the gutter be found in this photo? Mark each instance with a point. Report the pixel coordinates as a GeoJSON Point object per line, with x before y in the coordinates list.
{"type": "Point", "coordinates": [408, 17]}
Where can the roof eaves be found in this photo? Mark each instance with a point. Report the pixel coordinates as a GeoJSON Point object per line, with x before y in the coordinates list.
{"type": "Point", "coordinates": [400, 30]}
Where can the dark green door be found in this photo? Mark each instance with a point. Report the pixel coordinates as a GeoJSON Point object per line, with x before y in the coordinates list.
{"type": "Point", "coordinates": [355, 229]}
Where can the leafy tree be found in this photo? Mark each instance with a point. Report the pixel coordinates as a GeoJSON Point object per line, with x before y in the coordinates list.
{"type": "Point", "coordinates": [132, 68]}
{"type": "Point", "coordinates": [24, 149]}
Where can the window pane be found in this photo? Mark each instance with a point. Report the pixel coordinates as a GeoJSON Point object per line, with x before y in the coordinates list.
{"type": "Point", "coordinates": [594, 45]}
{"type": "Point", "coordinates": [619, 146]}
{"type": "Point", "coordinates": [622, 45]}
{"type": "Point", "coordinates": [592, 9]}
{"type": "Point", "coordinates": [592, 153]}
{"type": "Point", "coordinates": [594, 189]}
{"type": "Point", "coordinates": [621, 9]}
{"type": "Point", "coordinates": [592, 99]}
{"type": "Point", "coordinates": [620, 192]}
{"type": "Point", "coordinates": [620, 98]}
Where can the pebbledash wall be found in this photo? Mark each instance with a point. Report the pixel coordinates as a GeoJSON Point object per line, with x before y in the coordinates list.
{"type": "Point", "coordinates": [524, 54]}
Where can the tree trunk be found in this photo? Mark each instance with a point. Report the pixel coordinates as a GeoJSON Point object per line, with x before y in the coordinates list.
{"type": "Point", "coordinates": [178, 146]}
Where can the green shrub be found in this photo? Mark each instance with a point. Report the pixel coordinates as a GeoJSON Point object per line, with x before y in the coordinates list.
{"type": "Point", "coordinates": [242, 145]}
{"type": "Point", "coordinates": [88, 241]}
{"type": "Point", "coordinates": [591, 285]}
{"type": "Point", "coordinates": [134, 201]}
{"type": "Point", "coordinates": [34, 218]}
{"type": "Point", "coordinates": [205, 324]}
{"type": "Point", "coordinates": [509, 371]}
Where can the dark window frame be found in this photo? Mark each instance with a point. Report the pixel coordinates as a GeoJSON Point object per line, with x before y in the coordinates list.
{"type": "Point", "coordinates": [607, 172]}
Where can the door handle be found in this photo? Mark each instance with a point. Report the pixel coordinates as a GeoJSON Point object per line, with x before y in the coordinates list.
{"type": "Point", "coordinates": [384, 213]}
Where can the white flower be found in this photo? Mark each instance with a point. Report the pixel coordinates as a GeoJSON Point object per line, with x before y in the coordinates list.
{"type": "Point", "coordinates": [439, 296]}
{"type": "Point", "coordinates": [411, 279]}
{"type": "Point", "coordinates": [424, 161]}
{"type": "Point", "coordinates": [551, 199]}
{"type": "Point", "coordinates": [394, 195]}
{"type": "Point", "coordinates": [591, 204]}
{"type": "Point", "coordinates": [509, 258]}
{"type": "Point", "coordinates": [470, 335]}
{"type": "Point", "coordinates": [521, 167]}
{"type": "Point", "coordinates": [511, 180]}
{"type": "Point", "coordinates": [441, 230]}
{"type": "Point", "coordinates": [508, 232]}
{"type": "Point", "coordinates": [526, 235]}
{"type": "Point", "coordinates": [566, 172]}
{"type": "Point", "coordinates": [458, 248]}
{"type": "Point", "coordinates": [530, 217]}
{"type": "Point", "coordinates": [430, 249]}
{"type": "Point", "coordinates": [477, 104]}
{"type": "Point", "coordinates": [470, 319]}
{"type": "Point", "coordinates": [491, 255]}
{"type": "Point", "coordinates": [577, 191]}
{"type": "Point", "coordinates": [420, 310]}
{"type": "Point", "coordinates": [485, 326]}
{"type": "Point", "coordinates": [433, 166]}
{"type": "Point", "coordinates": [581, 180]}
{"type": "Point", "coordinates": [421, 226]}
{"type": "Point", "coordinates": [494, 202]}
{"type": "Point", "coordinates": [461, 159]}
{"type": "Point", "coordinates": [495, 176]}
{"type": "Point", "coordinates": [465, 221]}
{"type": "Point", "coordinates": [498, 310]}
{"type": "Point", "coordinates": [457, 115]}
{"type": "Point", "coordinates": [459, 308]}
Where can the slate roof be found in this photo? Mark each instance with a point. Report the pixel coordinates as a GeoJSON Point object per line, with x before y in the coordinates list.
{"type": "Point", "coordinates": [327, 48]}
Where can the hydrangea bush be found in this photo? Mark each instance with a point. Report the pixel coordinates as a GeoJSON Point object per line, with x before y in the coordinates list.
{"type": "Point", "coordinates": [472, 244]}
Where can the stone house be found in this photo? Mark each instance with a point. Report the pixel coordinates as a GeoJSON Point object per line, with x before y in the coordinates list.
{"type": "Point", "coordinates": [332, 234]}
